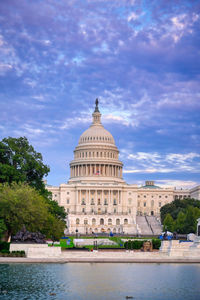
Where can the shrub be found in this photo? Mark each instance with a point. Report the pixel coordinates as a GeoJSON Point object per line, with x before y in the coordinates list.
{"type": "Point", "coordinates": [133, 244]}
{"type": "Point", "coordinates": [137, 244]}
{"type": "Point", "coordinates": [4, 246]}
{"type": "Point", "coordinates": [156, 243]}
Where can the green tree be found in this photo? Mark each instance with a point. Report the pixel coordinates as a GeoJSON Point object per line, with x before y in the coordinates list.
{"type": "Point", "coordinates": [190, 220]}
{"type": "Point", "coordinates": [55, 209]}
{"type": "Point", "coordinates": [2, 228]}
{"type": "Point", "coordinates": [180, 222]}
{"type": "Point", "coordinates": [21, 205]}
{"type": "Point", "coordinates": [19, 162]}
{"type": "Point", "coordinates": [176, 206]}
{"type": "Point", "coordinates": [168, 223]}
{"type": "Point", "coordinates": [53, 228]}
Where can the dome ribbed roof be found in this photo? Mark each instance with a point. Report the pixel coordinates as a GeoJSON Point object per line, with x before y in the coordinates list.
{"type": "Point", "coordinates": [96, 134]}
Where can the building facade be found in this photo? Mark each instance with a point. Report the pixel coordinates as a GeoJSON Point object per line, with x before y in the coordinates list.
{"type": "Point", "coordinates": [96, 197]}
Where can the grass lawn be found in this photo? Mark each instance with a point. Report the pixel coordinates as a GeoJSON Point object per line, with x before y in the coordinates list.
{"type": "Point", "coordinates": [68, 243]}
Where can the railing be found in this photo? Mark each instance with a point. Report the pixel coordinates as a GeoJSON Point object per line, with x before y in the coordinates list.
{"type": "Point", "coordinates": [149, 224]}
{"type": "Point", "coordinates": [98, 213]}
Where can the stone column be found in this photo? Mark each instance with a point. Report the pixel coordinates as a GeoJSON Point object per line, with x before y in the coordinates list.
{"type": "Point", "coordinates": [76, 196]}
{"type": "Point", "coordinates": [85, 169]}
{"type": "Point", "coordinates": [95, 197]}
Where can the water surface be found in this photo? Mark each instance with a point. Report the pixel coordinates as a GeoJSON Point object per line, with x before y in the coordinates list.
{"type": "Point", "coordinates": [99, 281]}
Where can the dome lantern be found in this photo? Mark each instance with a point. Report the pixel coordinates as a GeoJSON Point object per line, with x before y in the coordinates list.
{"type": "Point", "coordinates": [96, 114]}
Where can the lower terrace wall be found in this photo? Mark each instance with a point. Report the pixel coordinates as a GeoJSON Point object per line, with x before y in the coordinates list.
{"type": "Point", "coordinates": [37, 250]}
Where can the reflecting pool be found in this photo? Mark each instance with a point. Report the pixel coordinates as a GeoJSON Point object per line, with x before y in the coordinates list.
{"type": "Point", "coordinates": [99, 281]}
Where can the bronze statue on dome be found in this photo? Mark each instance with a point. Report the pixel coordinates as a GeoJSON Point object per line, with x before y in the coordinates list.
{"type": "Point", "coordinates": [97, 103]}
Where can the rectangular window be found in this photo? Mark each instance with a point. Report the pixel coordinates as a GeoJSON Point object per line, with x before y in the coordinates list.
{"type": "Point", "coordinates": [145, 204]}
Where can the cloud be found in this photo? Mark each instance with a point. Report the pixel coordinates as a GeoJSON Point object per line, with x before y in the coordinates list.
{"type": "Point", "coordinates": [140, 58]}
{"type": "Point", "coordinates": [159, 163]}
{"type": "Point", "coordinates": [187, 184]}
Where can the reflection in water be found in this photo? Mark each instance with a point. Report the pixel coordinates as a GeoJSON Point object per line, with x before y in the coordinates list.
{"type": "Point", "coordinates": [99, 281]}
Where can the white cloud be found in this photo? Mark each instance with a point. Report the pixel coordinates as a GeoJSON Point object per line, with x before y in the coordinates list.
{"type": "Point", "coordinates": [160, 163]}
{"type": "Point", "coordinates": [73, 122]}
{"type": "Point", "coordinates": [177, 157]}
{"type": "Point", "coordinates": [133, 16]}
{"type": "Point", "coordinates": [177, 183]}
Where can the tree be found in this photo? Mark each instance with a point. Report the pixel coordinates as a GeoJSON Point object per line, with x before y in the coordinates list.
{"type": "Point", "coordinates": [168, 223]}
{"type": "Point", "coordinates": [190, 220]}
{"type": "Point", "coordinates": [180, 222]}
{"type": "Point", "coordinates": [19, 162]}
{"type": "Point", "coordinates": [2, 228]}
{"type": "Point", "coordinates": [55, 209]}
{"type": "Point", "coordinates": [21, 205]}
{"type": "Point", "coordinates": [53, 228]}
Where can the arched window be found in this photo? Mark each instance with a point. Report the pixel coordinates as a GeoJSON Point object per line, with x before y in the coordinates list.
{"type": "Point", "coordinates": [77, 221]}
{"type": "Point", "coordinates": [93, 221]}
{"type": "Point", "coordinates": [101, 221]}
{"type": "Point", "coordinates": [125, 221]}
{"type": "Point", "coordinates": [85, 221]}
{"type": "Point", "coordinates": [109, 221]}
{"type": "Point", "coordinates": [118, 222]}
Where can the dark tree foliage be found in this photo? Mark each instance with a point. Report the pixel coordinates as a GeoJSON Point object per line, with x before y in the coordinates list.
{"type": "Point", "coordinates": [19, 162]}
{"type": "Point", "coordinates": [177, 206]}
{"type": "Point", "coordinates": [181, 215]}
{"type": "Point", "coordinates": [56, 210]}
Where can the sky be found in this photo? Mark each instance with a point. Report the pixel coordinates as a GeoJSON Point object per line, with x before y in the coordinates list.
{"type": "Point", "coordinates": [140, 58]}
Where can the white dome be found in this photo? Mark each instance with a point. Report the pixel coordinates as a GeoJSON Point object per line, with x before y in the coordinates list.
{"type": "Point", "coordinates": [96, 134]}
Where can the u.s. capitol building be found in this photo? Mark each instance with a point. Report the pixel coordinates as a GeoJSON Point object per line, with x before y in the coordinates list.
{"type": "Point", "coordinates": [96, 197]}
